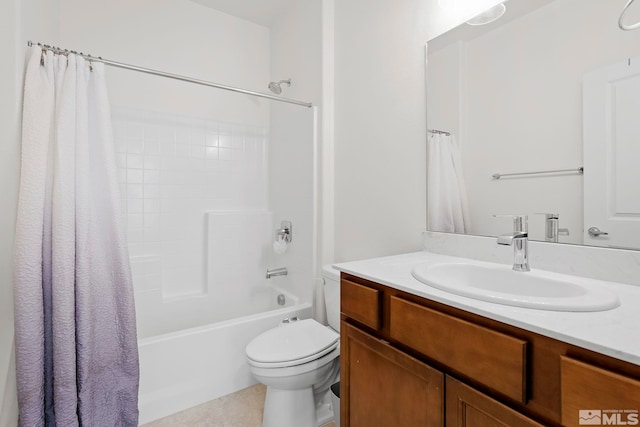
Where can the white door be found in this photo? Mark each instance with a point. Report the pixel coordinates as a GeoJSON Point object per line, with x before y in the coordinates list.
{"type": "Point", "coordinates": [611, 136]}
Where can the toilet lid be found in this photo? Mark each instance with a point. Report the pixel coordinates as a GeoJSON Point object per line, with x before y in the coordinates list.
{"type": "Point", "coordinates": [292, 342]}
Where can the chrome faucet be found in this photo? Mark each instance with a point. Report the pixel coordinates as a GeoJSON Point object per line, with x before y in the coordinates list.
{"type": "Point", "coordinates": [519, 239]}
{"type": "Point", "coordinates": [276, 272]}
{"type": "Point", "coordinates": [520, 242]}
{"type": "Point", "coordinates": [551, 230]}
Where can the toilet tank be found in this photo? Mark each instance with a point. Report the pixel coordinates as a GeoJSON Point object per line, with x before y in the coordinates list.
{"type": "Point", "coordinates": [331, 278]}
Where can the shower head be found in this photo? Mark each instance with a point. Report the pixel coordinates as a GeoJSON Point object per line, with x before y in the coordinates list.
{"type": "Point", "coordinates": [275, 86]}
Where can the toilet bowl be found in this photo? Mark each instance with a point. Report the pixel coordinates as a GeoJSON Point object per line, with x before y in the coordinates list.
{"type": "Point", "coordinates": [298, 361]}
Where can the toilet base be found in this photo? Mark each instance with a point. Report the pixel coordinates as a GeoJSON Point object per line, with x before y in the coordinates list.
{"type": "Point", "coordinates": [289, 408]}
{"type": "Point", "coordinates": [324, 410]}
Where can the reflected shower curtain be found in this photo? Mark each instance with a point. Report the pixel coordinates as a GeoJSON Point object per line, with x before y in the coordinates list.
{"type": "Point", "coordinates": [447, 206]}
{"type": "Point", "coordinates": [76, 346]}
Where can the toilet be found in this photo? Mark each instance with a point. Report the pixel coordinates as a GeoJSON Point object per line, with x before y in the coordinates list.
{"type": "Point", "coordinates": [298, 361]}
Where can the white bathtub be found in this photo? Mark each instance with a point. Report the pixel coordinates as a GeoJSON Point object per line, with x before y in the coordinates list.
{"type": "Point", "coordinates": [179, 370]}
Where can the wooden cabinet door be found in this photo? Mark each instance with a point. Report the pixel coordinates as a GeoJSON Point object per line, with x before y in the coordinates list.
{"type": "Point", "coordinates": [467, 407]}
{"type": "Point", "coordinates": [596, 396]}
{"type": "Point", "coordinates": [382, 387]}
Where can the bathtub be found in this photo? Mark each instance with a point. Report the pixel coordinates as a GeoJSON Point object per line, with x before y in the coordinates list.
{"type": "Point", "coordinates": [182, 369]}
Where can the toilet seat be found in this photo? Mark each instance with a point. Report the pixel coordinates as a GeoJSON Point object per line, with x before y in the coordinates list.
{"type": "Point", "coordinates": [295, 362]}
{"type": "Point", "coordinates": [307, 368]}
{"type": "Point", "coordinates": [292, 344]}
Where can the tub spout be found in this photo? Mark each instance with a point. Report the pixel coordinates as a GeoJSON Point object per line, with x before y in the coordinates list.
{"type": "Point", "coordinates": [276, 272]}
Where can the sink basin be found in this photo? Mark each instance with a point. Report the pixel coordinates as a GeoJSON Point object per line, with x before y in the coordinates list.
{"type": "Point", "coordinates": [533, 289]}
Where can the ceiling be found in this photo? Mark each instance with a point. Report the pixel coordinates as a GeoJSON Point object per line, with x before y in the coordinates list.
{"type": "Point", "coordinates": [463, 32]}
{"type": "Point", "coordinates": [261, 12]}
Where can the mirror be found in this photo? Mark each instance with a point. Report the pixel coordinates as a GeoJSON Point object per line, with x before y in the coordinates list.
{"type": "Point", "coordinates": [543, 111]}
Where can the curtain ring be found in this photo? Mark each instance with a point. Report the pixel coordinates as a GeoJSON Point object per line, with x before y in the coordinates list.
{"type": "Point", "coordinates": [90, 66]}
{"type": "Point", "coordinates": [621, 24]}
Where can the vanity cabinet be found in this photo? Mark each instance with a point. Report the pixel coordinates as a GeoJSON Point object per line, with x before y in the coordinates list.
{"type": "Point", "coordinates": [467, 407]}
{"type": "Point", "coordinates": [493, 358]}
{"type": "Point", "coordinates": [409, 361]}
{"type": "Point", "coordinates": [387, 387]}
{"type": "Point", "coordinates": [586, 387]}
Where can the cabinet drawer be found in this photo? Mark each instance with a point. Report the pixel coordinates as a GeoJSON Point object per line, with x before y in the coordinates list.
{"type": "Point", "coordinates": [585, 387]}
{"type": "Point", "coordinates": [492, 358]}
{"type": "Point", "coordinates": [361, 303]}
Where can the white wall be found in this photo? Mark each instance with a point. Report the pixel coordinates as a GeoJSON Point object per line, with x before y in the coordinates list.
{"type": "Point", "coordinates": [9, 165]}
{"type": "Point", "coordinates": [296, 53]}
{"type": "Point", "coordinates": [295, 46]}
{"type": "Point", "coordinates": [521, 109]}
{"type": "Point", "coordinates": [19, 21]}
{"type": "Point", "coordinates": [380, 184]}
{"type": "Point", "coordinates": [326, 253]}
{"type": "Point", "coordinates": [444, 81]}
{"type": "Point", "coordinates": [176, 36]}
{"type": "Point", "coordinates": [380, 115]}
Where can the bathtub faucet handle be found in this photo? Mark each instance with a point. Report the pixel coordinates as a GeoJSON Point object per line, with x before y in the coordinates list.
{"type": "Point", "coordinates": [285, 232]}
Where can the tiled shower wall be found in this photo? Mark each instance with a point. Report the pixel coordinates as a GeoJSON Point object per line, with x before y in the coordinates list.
{"type": "Point", "coordinates": [172, 170]}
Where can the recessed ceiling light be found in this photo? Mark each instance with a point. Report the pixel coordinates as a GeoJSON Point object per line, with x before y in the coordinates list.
{"type": "Point", "coordinates": [489, 15]}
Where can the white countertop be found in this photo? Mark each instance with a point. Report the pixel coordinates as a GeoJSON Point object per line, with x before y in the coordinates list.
{"type": "Point", "coordinates": [615, 332]}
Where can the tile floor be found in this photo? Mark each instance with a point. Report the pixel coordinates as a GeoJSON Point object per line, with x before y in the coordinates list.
{"type": "Point", "coordinates": [239, 409]}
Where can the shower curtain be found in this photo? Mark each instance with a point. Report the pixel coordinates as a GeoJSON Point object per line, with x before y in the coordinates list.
{"type": "Point", "coordinates": [76, 346]}
{"type": "Point", "coordinates": [447, 206]}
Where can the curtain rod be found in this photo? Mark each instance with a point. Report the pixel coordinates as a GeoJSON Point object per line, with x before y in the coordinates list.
{"type": "Point", "coordinates": [117, 64]}
{"type": "Point", "coordinates": [579, 171]}
{"type": "Point", "coordinates": [439, 132]}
